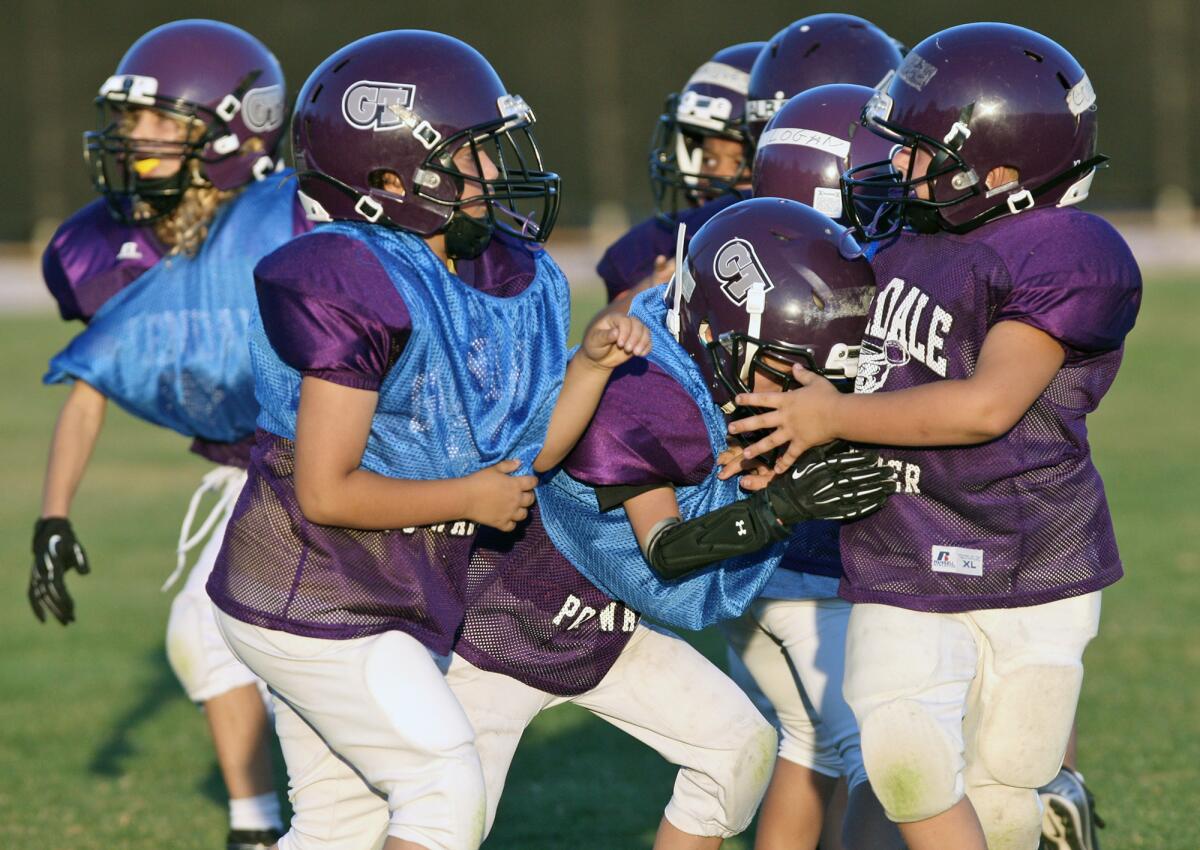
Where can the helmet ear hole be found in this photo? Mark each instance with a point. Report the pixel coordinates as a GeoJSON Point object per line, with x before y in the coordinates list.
{"type": "Point", "coordinates": [386, 180]}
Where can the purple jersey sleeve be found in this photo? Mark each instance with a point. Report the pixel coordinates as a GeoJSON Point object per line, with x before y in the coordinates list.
{"type": "Point", "coordinates": [633, 442]}
{"type": "Point", "coordinates": [630, 259]}
{"type": "Point", "coordinates": [92, 257]}
{"type": "Point", "coordinates": [331, 311]}
{"type": "Point", "coordinates": [1077, 282]}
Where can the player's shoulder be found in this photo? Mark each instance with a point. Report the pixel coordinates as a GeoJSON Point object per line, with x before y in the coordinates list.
{"type": "Point", "coordinates": [696, 217]}
{"type": "Point", "coordinates": [92, 256]}
{"type": "Point", "coordinates": [89, 228]}
{"type": "Point", "coordinates": [1059, 240]}
{"type": "Point", "coordinates": [320, 257]}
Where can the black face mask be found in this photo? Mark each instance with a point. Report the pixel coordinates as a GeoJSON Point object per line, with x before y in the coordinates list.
{"type": "Point", "coordinates": [466, 236]}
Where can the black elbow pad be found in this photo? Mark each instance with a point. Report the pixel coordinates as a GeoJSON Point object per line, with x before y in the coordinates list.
{"type": "Point", "coordinates": [676, 548]}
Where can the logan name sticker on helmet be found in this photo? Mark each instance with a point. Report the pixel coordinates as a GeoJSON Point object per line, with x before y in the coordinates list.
{"type": "Point", "coordinates": [1081, 97]}
{"type": "Point", "coordinates": [132, 88]}
{"type": "Point", "coordinates": [720, 74]}
{"type": "Point", "coordinates": [262, 109]}
{"type": "Point", "coordinates": [916, 71]}
{"type": "Point", "coordinates": [738, 268]}
{"type": "Point", "coordinates": [806, 138]}
{"type": "Point", "coordinates": [372, 105]}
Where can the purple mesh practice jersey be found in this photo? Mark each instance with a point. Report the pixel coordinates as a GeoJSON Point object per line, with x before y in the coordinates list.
{"type": "Point", "coordinates": [1021, 520]}
{"type": "Point", "coordinates": [92, 257]}
{"type": "Point", "coordinates": [331, 311]}
{"type": "Point", "coordinates": [649, 431]}
{"type": "Point", "coordinates": [630, 259]}
{"type": "Point", "coordinates": [532, 616]}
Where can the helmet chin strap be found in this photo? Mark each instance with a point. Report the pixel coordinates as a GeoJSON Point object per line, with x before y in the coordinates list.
{"type": "Point", "coordinates": [756, 305]}
{"type": "Point", "coordinates": [673, 314]}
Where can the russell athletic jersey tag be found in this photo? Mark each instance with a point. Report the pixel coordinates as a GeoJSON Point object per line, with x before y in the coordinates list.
{"type": "Point", "coordinates": [955, 559]}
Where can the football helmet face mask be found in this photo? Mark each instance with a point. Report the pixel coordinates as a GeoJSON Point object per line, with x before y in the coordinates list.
{"type": "Point", "coordinates": [766, 284]}
{"type": "Point", "coordinates": [711, 106]}
{"type": "Point", "coordinates": [968, 101]}
{"type": "Point", "coordinates": [225, 90]}
{"type": "Point", "coordinates": [816, 51]}
{"type": "Point", "coordinates": [811, 140]}
{"type": "Point", "coordinates": [429, 109]}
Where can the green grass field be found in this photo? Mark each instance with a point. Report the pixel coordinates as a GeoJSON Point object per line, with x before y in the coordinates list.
{"type": "Point", "coordinates": [99, 749]}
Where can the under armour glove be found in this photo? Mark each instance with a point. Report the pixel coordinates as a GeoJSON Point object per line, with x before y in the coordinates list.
{"type": "Point", "coordinates": [832, 481]}
{"type": "Point", "coordinates": [55, 550]}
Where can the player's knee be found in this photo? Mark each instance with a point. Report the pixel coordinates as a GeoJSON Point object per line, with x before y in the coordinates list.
{"type": "Point", "coordinates": [914, 765]}
{"type": "Point", "coordinates": [1026, 723]}
{"type": "Point", "coordinates": [1011, 817]}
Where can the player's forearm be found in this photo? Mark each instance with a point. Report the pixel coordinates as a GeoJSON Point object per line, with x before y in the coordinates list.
{"type": "Point", "coordinates": [365, 500]}
{"type": "Point", "coordinates": [75, 435]}
{"type": "Point", "coordinates": [582, 387]}
{"type": "Point", "coordinates": [945, 413]}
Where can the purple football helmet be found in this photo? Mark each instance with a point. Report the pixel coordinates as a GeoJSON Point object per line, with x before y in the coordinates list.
{"type": "Point", "coordinates": [816, 51]}
{"type": "Point", "coordinates": [711, 105]}
{"type": "Point", "coordinates": [768, 283]}
{"type": "Point", "coordinates": [975, 98]}
{"type": "Point", "coordinates": [221, 81]}
{"type": "Point", "coordinates": [430, 110]}
{"type": "Point", "coordinates": [809, 143]}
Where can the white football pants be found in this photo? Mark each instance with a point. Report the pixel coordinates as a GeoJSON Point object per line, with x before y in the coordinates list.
{"type": "Point", "coordinates": [794, 650]}
{"type": "Point", "coordinates": [978, 703]}
{"type": "Point", "coordinates": [375, 743]}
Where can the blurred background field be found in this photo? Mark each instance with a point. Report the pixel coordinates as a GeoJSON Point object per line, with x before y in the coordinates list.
{"type": "Point", "coordinates": [100, 750]}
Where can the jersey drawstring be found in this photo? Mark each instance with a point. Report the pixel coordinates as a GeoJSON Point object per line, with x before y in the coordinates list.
{"type": "Point", "coordinates": [229, 481]}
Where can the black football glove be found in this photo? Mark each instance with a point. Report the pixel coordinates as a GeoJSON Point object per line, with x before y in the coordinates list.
{"type": "Point", "coordinates": [833, 481]}
{"type": "Point", "coordinates": [55, 550]}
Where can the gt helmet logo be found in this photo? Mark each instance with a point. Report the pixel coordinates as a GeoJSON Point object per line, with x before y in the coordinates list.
{"type": "Point", "coordinates": [263, 109]}
{"type": "Point", "coordinates": [739, 269]}
{"type": "Point", "coordinates": [371, 105]}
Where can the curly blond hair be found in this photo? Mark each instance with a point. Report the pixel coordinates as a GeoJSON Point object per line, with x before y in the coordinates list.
{"type": "Point", "coordinates": [184, 229]}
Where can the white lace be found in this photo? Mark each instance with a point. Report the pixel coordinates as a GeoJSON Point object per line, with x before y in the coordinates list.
{"type": "Point", "coordinates": [229, 481]}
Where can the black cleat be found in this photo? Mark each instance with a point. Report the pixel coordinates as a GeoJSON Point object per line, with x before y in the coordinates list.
{"type": "Point", "coordinates": [252, 839]}
{"type": "Point", "coordinates": [1069, 819]}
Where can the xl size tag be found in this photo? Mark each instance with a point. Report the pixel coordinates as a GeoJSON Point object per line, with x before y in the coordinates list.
{"type": "Point", "coordinates": [955, 559]}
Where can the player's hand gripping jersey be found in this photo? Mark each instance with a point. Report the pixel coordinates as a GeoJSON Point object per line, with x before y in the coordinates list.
{"type": "Point", "coordinates": [374, 309]}
{"type": "Point", "coordinates": [1021, 520]}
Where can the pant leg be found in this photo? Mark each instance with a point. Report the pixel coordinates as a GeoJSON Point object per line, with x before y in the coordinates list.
{"type": "Point", "coordinates": [820, 731]}
{"type": "Point", "coordinates": [198, 655]}
{"type": "Point", "coordinates": [499, 709]}
{"type": "Point", "coordinates": [908, 676]}
{"type": "Point", "coordinates": [1023, 706]}
{"type": "Point", "coordinates": [381, 704]}
{"type": "Point", "coordinates": [664, 693]}
{"type": "Point", "coordinates": [333, 806]}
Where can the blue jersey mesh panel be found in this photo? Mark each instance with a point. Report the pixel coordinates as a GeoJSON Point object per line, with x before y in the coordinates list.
{"type": "Point", "coordinates": [171, 348]}
{"type": "Point", "coordinates": [478, 377]}
{"type": "Point", "coordinates": [603, 547]}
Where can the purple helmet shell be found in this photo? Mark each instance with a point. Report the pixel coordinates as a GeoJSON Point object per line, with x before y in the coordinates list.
{"type": "Point", "coordinates": [981, 97]}
{"type": "Point", "coordinates": [711, 104]}
{"type": "Point", "coordinates": [206, 72]}
{"type": "Point", "coordinates": [766, 283]}
{"type": "Point", "coordinates": [816, 51]}
{"type": "Point", "coordinates": [410, 102]}
{"type": "Point", "coordinates": [809, 142]}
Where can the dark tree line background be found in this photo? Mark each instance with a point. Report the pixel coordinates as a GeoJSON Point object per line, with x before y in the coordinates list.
{"type": "Point", "coordinates": [595, 71]}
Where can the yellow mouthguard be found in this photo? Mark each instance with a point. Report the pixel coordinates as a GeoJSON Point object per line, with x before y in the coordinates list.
{"type": "Point", "coordinates": [145, 166]}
